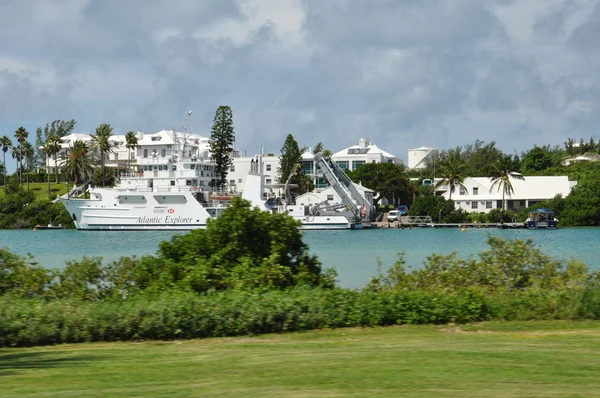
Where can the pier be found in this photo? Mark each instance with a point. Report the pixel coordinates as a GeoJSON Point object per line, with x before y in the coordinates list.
{"type": "Point", "coordinates": [427, 222]}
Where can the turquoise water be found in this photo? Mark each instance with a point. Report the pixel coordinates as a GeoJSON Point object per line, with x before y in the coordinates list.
{"type": "Point", "coordinates": [353, 254]}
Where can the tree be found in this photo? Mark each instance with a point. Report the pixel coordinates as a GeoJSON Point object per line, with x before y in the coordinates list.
{"type": "Point", "coordinates": [79, 162]}
{"type": "Point", "coordinates": [5, 143]}
{"type": "Point", "coordinates": [222, 138]}
{"type": "Point", "coordinates": [55, 145]}
{"type": "Point", "coordinates": [28, 154]}
{"type": "Point", "coordinates": [582, 205]}
{"type": "Point", "coordinates": [266, 251]}
{"type": "Point", "coordinates": [389, 180]}
{"type": "Point", "coordinates": [452, 172]}
{"type": "Point", "coordinates": [101, 143]}
{"type": "Point", "coordinates": [21, 135]}
{"type": "Point", "coordinates": [131, 142]}
{"type": "Point", "coordinates": [58, 128]}
{"type": "Point", "coordinates": [289, 160]}
{"type": "Point", "coordinates": [502, 172]}
{"type": "Point", "coordinates": [539, 159]}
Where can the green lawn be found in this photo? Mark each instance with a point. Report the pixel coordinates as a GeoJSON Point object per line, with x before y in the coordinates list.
{"type": "Point", "coordinates": [40, 189]}
{"type": "Point", "coordinates": [486, 360]}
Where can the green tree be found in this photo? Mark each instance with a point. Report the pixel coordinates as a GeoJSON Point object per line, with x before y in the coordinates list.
{"type": "Point", "coordinates": [289, 161]}
{"type": "Point", "coordinates": [389, 180]}
{"type": "Point", "coordinates": [5, 143]}
{"type": "Point", "coordinates": [101, 142]}
{"type": "Point", "coordinates": [582, 205]}
{"type": "Point", "coordinates": [433, 206]}
{"type": "Point", "coordinates": [502, 172]}
{"type": "Point", "coordinates": [452, 172]}
{"type": "Point", "coordinates": [222, 138]}
{"type": "Point", "coordinates": [131, 142]}
{"type": "Point", "coordinates": [21, 135]}
{"type": "Point", "coordinates": [478, 158]}
{"type": "Point", "coordinates": [244, 248]}
{"type": "Point", "coordinates": [79, 163]}
{"type": "Point", "coordinates": [538, 159]}
{"type": "Point", "coordinates": [28, 154]}
{"type": "Point", "coordinates": [58, 128]}
{"type": "Point", "coordinates": [54, 145]}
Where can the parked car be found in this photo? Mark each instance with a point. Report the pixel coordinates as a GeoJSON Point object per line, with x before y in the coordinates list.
{"type": "Point", "coordinates": [393, 215]}
{"type": "Point", "coordinates": [403, 209]}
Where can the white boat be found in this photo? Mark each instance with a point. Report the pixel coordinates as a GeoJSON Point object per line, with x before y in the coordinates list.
{"type": "Point", "coordinates": [351, 209]}
{"type": "Point", "coordinates": [168, 191]}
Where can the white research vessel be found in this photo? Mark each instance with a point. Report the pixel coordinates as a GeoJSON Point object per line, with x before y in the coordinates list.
{"type": "Point", "coordinates": [169, 191]}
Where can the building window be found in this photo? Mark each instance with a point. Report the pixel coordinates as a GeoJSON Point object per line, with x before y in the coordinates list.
{"type": "Point", "coordinates": [145, 153]}
{"type": "Point", "coordinates": [239, 181]}
{"type": "Point", "coordinates": [132, 155]}
{"type": "Point", "coordinates": [357, 163]}
{"type": "Point", "coordinates": [343, 164]}
{"type": "Point", "coordinates": [463, 191]}
{"type": "Point", "coordinates": [474, 204]}
{"type": "Point", "coordinates": [231, 182]}
{"type": "Point", "coordinates": [475, 191]}
{"type": "Point", "coordinates": [307, 167]}
{"type": "Point", "coordinates": [172, 183]}
{"type": "Point", "coordinates": [188, 183]}
{"type": "Point", "coordinates": [329, 197]}
{"type": "Point", "coordinates": [268, 167]}
{"type": "Point", "coordinates": [268, 180]}
{"type": "Point", "coordinates": [488, 205]}
{"type": "Point", "coordinates": [116, 156]}
{"type": "Point", "coordinates": [163, 152]}
{"type": "Point", "coordinates": [232, 169]}
{"type": "Point", "coordinates": [174, 167]}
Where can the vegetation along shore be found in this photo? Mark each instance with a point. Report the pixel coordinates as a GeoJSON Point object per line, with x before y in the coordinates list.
{"type": "Point", "coordinates": [250, 273]}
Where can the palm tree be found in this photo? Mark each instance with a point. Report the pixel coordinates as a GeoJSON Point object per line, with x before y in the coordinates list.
{"type": "Point", "coordinates": [21, 135]}
{"type": "Point", "coordinates": [79, 162]}
{"type": "Point", "coordinates": [452, 172]}
{"type": "Point", "coordinates": [502, 172]}
{"type": "Point", "coordinates": [5, 143]}
{"type": "Point", "coordinates": [101, 143]}
{"type": "Point", "coordinates": [17, 154]}
{"type": "Point", "coordinates": [27, 151]}
{"type": "Point", "coordinates": [53, 145]}
{"type": "Point", "coordinates": [131, 142]}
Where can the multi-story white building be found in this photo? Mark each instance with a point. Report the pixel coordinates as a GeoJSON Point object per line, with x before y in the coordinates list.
{"type": "Point", "coordinates": [478, 196]}
{"type": "Point", "coordinates": [236, 178]}
{"type": "Point", "coordinates": [417, 157]}
{"type": "Point", "coordinates": [350, 159]}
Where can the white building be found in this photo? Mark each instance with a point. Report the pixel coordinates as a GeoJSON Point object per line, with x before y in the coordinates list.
{"type": "Point", "coordinates": [236, 178]}
{"type": "Point", "coordinates": [365, 152]}
{"type": "Point", "coordinates": [349, 159]}
{"type": "Point", "coordinates": [478, 197]}
{"type": "Point", "coordinates": [417, 157]}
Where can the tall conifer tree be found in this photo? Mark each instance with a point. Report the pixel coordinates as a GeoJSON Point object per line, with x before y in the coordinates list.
{"type": "Point", "coordinates": [221, 145]}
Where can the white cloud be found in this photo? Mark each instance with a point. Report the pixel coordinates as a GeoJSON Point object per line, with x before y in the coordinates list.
{"type": "Point", "coordinates": [403, 73]}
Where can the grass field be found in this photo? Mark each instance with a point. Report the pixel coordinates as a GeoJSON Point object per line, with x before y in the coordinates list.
{"type": "Point", "coordinates": [40, 189]}
{"type": "Point", "coordinates": [557, 359]}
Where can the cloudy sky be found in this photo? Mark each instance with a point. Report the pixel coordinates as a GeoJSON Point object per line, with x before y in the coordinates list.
{"type": "Point", "coordinates": [403, 73]}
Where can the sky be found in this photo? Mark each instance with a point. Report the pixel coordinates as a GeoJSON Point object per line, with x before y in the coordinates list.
{"type": "Point", "coordinates": [402, 73]}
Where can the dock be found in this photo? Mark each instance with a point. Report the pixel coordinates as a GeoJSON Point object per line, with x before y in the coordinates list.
{"type": "Point", "coordinates": [427, 222]}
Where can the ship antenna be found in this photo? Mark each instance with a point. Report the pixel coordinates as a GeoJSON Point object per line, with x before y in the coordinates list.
{"type": "Point", "coordinates": [184, 131]}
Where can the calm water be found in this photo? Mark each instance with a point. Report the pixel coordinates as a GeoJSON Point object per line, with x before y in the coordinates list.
{"type": "Point", "coordinates": [353, 253]}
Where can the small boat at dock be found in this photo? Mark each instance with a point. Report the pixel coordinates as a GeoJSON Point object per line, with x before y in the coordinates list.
{"type": "Point", "coordinates": [49, 226]}
{"type": "Point", "coordinates": [543, 218]}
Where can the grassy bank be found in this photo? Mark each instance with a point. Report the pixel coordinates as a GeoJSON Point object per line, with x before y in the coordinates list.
{"type": "Point", "coordinates": [491, 359]}
{"type": "Point", "coordinates": [40, 189]}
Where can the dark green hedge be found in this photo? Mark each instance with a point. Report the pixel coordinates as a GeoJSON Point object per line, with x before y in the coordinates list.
{"type": "Point", "coordinates": [29, 322]}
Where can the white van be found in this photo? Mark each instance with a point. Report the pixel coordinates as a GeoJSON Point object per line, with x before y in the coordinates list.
{"type": "Point", "coordinates": [393, 215]}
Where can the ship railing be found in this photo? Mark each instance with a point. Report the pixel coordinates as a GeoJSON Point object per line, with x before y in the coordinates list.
{"type": "Point", "coordinates": [163, 189]}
